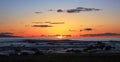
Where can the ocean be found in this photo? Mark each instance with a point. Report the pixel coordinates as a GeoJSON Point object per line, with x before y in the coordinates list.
{"type": "Point", "coordinates": [81, 39]}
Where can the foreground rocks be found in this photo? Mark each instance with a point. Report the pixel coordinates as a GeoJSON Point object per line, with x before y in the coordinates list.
{"type": "Point", "coordinates": [63, 58]}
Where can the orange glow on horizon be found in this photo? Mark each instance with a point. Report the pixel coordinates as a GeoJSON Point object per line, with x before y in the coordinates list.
{"type": "Point", "coordinates": [60, 37]}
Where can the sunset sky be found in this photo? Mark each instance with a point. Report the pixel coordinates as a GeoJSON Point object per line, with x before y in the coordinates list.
{"type": "Point", "coordinates": [51, 18]}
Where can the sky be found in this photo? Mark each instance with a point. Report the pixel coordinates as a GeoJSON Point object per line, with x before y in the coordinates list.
{"type": "Point", "coordinates": [66, 18]}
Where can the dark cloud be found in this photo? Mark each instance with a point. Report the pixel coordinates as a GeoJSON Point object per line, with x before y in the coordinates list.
{"type": "Point", "coordinates": [57, 35]}
{"type": "Point", "coordinates": [73, 11]}
{"type": "Point", "coordinates": [85, 29]}
{"type": "Point", "coordinates": [48, 22]}
{"type": "Point", "coordinates": [38, 12]}
{"type": "Point", "coordinates": [87, 9]}
{"type": "Point", "coordinates": [60, 10]}
{"type": "Point", "coordinates": [37, 22]}
{"type": "Point", "coordinates": [67, 35]}
{"type": "Point", "coordinates": [88, 29]}
{"type": "Point", "coordinates": [42, 35]}
{"type": "Point", "coordinates": [41, 22]}
{"type": "Point", "coordinates": [78, 9]}
{"type": "Point", "coordinates": [81, 30]}
{"type": "Point", "coordinates": [7, 34]}
{"type": "Point", "coordinates": [81, 9]}
{"type": "Point", "coordinates": [44, 26]}
{"type": "Point", "coordinates": [57, 23]}
{"type": "Point", "coordinates": [101, 34]}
